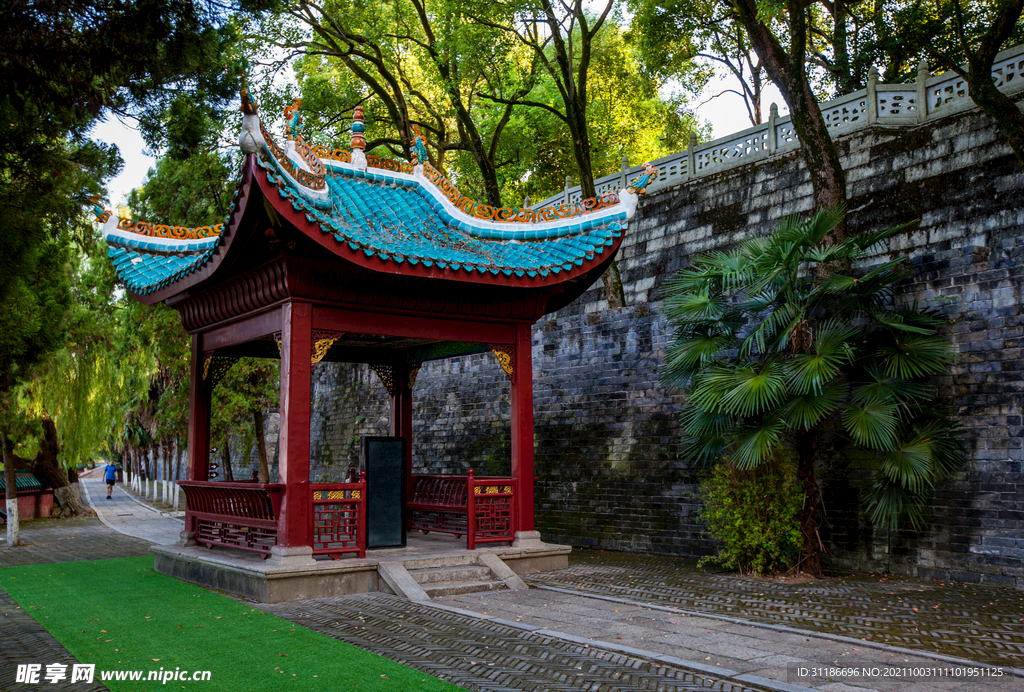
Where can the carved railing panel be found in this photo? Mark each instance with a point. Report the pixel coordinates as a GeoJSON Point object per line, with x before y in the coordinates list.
{"type": "Point", "coordinates": [339, 518]}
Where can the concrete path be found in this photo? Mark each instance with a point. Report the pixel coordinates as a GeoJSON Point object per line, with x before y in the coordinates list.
{"type": "Point", "coordinates": [729, 650]}
{"type": "Point", "coordinates": [128, 516]}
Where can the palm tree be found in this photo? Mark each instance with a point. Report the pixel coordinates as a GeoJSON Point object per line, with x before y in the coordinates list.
{"type": "Point", "coordinates": [785, 355]}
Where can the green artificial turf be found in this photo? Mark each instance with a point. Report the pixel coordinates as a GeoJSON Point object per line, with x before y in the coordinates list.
{"type": "Point", "coordinates": [122, 615]}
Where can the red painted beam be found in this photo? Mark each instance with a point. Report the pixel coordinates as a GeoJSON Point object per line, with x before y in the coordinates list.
{"type": "Point", "coordinates": [245, 329]}
{"type": "Point", "coordinates": [356, 321]}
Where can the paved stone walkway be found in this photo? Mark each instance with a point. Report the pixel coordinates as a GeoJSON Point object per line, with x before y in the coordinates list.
{"type": "Point", "coordinates": [129, 516]}
{"type": "Point", "coordinates": [976, 622]}
{"type": "Point", "coordinates": [731, 650]}
{"type": "Point", "coordinates": [488, 655]}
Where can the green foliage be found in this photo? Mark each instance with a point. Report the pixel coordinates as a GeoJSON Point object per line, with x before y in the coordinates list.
{"type": "Point", "coordinates": [754, 514]}
{"type": "Point", "coordinates": [774, 350]}
{"type": "Point", "coordinates": [455, 69]}
{"type": "Point", "coordinates": [63, 65]}
{"type": "Point", "coordinates": [191, 191]}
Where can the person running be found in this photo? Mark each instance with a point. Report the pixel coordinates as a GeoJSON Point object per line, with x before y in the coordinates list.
{"type": "Point", "coordinates": [110, 473]}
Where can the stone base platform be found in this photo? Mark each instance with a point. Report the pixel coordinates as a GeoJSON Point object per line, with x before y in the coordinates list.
{"type": "Point", "coordinates": [285, 577]}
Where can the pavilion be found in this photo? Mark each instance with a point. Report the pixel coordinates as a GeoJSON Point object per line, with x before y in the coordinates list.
{"type": "Point", "coordinates": [335, 255]}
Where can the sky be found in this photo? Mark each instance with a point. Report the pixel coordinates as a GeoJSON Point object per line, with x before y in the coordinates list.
{"type": "Point", "coordinates": [726, 114]}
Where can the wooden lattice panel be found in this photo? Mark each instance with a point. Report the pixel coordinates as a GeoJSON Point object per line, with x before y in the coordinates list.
{"type": "Point", "coordinates": [254, 538]}
{"type": "Point", "coordinates": [335, 526]}
{"type": "Point", "coordinates": [493, 517]}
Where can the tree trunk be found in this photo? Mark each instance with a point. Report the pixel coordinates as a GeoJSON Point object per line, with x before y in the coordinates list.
{"type": "Point", "coordinates": [261, 445]}
{"type": "Point", "coordinates": [613, 286]}
{"type": "Point", "coordinates": [788, 72]}
{"type": "Point", "coordinates": [75, 486]}
{"type": "Point", "coordinates": [13, 521]}
{"type": "Point", "coordinates": [810, 513]}
{"type": "Point", "coordinates": [179, 453]}
{"type": "Point", "coordinates": [225, 459]}
{"type": "Point", "coordinates": [48, 469]}
{"type": "Point", "coordinates": [983, 91]}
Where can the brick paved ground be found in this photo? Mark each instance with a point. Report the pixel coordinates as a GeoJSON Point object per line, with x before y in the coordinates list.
{"type": "Point", "coordinates": [971, 621]}
{"type": "Point", "coordinates": [68, 540]}
{"type": "Point", "coordinates": [22, 639]}
{"type": "Point", "coordinates": [485, 655]}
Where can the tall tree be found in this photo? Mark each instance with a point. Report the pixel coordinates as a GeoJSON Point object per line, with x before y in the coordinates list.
{"type": "Point", "coordinates": [63, 63]}
{"type": "Point", "coordinates": [780, 35]}
{"type": "Point", "coordinates": [964, 38]}
{"type": "Point", "coordinates": [420, 60]}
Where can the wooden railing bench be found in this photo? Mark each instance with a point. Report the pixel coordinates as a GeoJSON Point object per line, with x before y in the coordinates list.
{"type": "Point", "coordinates": [442, 504]}
{"type": "Point", "coordinates": [235, 515]}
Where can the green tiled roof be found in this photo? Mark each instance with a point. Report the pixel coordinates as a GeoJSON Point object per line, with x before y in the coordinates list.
{"type": "Point", "coordinates": [397, 218]}
{"type": "Point", "coordinates": [23, 481]}
{"type": "Point", "coordinates": [392, 216]}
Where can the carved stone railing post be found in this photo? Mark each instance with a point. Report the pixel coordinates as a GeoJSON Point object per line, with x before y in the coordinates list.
{"type": "Point", "coordinates": [622, 172]}
{"type": "Point", "coordinates": [568, 184]}
{"type": "Point", "coordinates": [691, 160]}
{"type": "Point", "coordinates": [923, 73]}
{"type": "Point", "coordinates": [773, 138]}
{"type": "Point", "coordinates": [872, 97]}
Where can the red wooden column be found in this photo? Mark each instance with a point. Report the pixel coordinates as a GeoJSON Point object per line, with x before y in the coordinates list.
{"type": "Point", "coordinates": [293, 469]}
{"type": "Point", "coordinates": [522, 432]}
{"type": "Point", "coordinates": [401, 419]}
{"type": "Point", "coordinates": [198, 416]}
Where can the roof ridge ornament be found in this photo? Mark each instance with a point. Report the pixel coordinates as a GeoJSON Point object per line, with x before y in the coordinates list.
{"type": "Point", "coordinates": [293, 122]}
{"type": "Point", "coordinates": [250, 136]}
{"type": "Point", "coordinates": [357, 156]}
{"type": "Point", "coordinates": [419, 148]}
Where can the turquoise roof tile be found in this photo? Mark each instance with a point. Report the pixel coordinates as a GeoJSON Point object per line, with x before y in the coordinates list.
{"type": "Point", "coordinates": [399, 220]}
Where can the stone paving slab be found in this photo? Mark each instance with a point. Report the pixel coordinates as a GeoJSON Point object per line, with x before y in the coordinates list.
{"type": "Point", "coordinates": [976, 622]}
{"type": "Point", "coordinates": [746, 649]}
{"type": "Point", "coordinates": [484, 655]}
{"type": "Point", "coordinates": [68, 540]}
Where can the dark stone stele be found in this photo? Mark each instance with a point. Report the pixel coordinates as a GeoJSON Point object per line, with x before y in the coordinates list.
{"type": "Point", "coordinates": [607, 450]}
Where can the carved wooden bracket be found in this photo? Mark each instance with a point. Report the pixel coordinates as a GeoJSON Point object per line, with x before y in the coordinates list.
{"type": "Point", "coordinates": [386, 374]}
{"type": "Point", "coordinates": [319, 345]}
{"type": "Point", "coordinates": [215, 367]}
{"type": "Point", "coordinates": [505, 353]}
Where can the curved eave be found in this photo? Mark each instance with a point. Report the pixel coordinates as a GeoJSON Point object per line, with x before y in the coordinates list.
{"type": "Point", "coordinates": [500, 277]}
{"type": "Point", "coordinates": [217, 257]}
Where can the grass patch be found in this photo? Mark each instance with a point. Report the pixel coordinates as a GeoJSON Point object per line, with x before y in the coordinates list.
{"type": "Point", "coordinates": [122, 615]}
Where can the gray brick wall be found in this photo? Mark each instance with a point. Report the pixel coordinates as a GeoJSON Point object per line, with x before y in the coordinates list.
{"type": "Point", "coordinates": [606, 431]}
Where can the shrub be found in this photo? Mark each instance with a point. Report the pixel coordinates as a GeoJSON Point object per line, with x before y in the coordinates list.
{"type": "Point", "coordinates": [754, 513]}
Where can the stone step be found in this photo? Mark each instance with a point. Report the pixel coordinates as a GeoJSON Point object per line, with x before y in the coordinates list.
{"type": "Point", "coordinates": [458, 588]}
{"type": "Point", "coordinates": [455, 573]}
